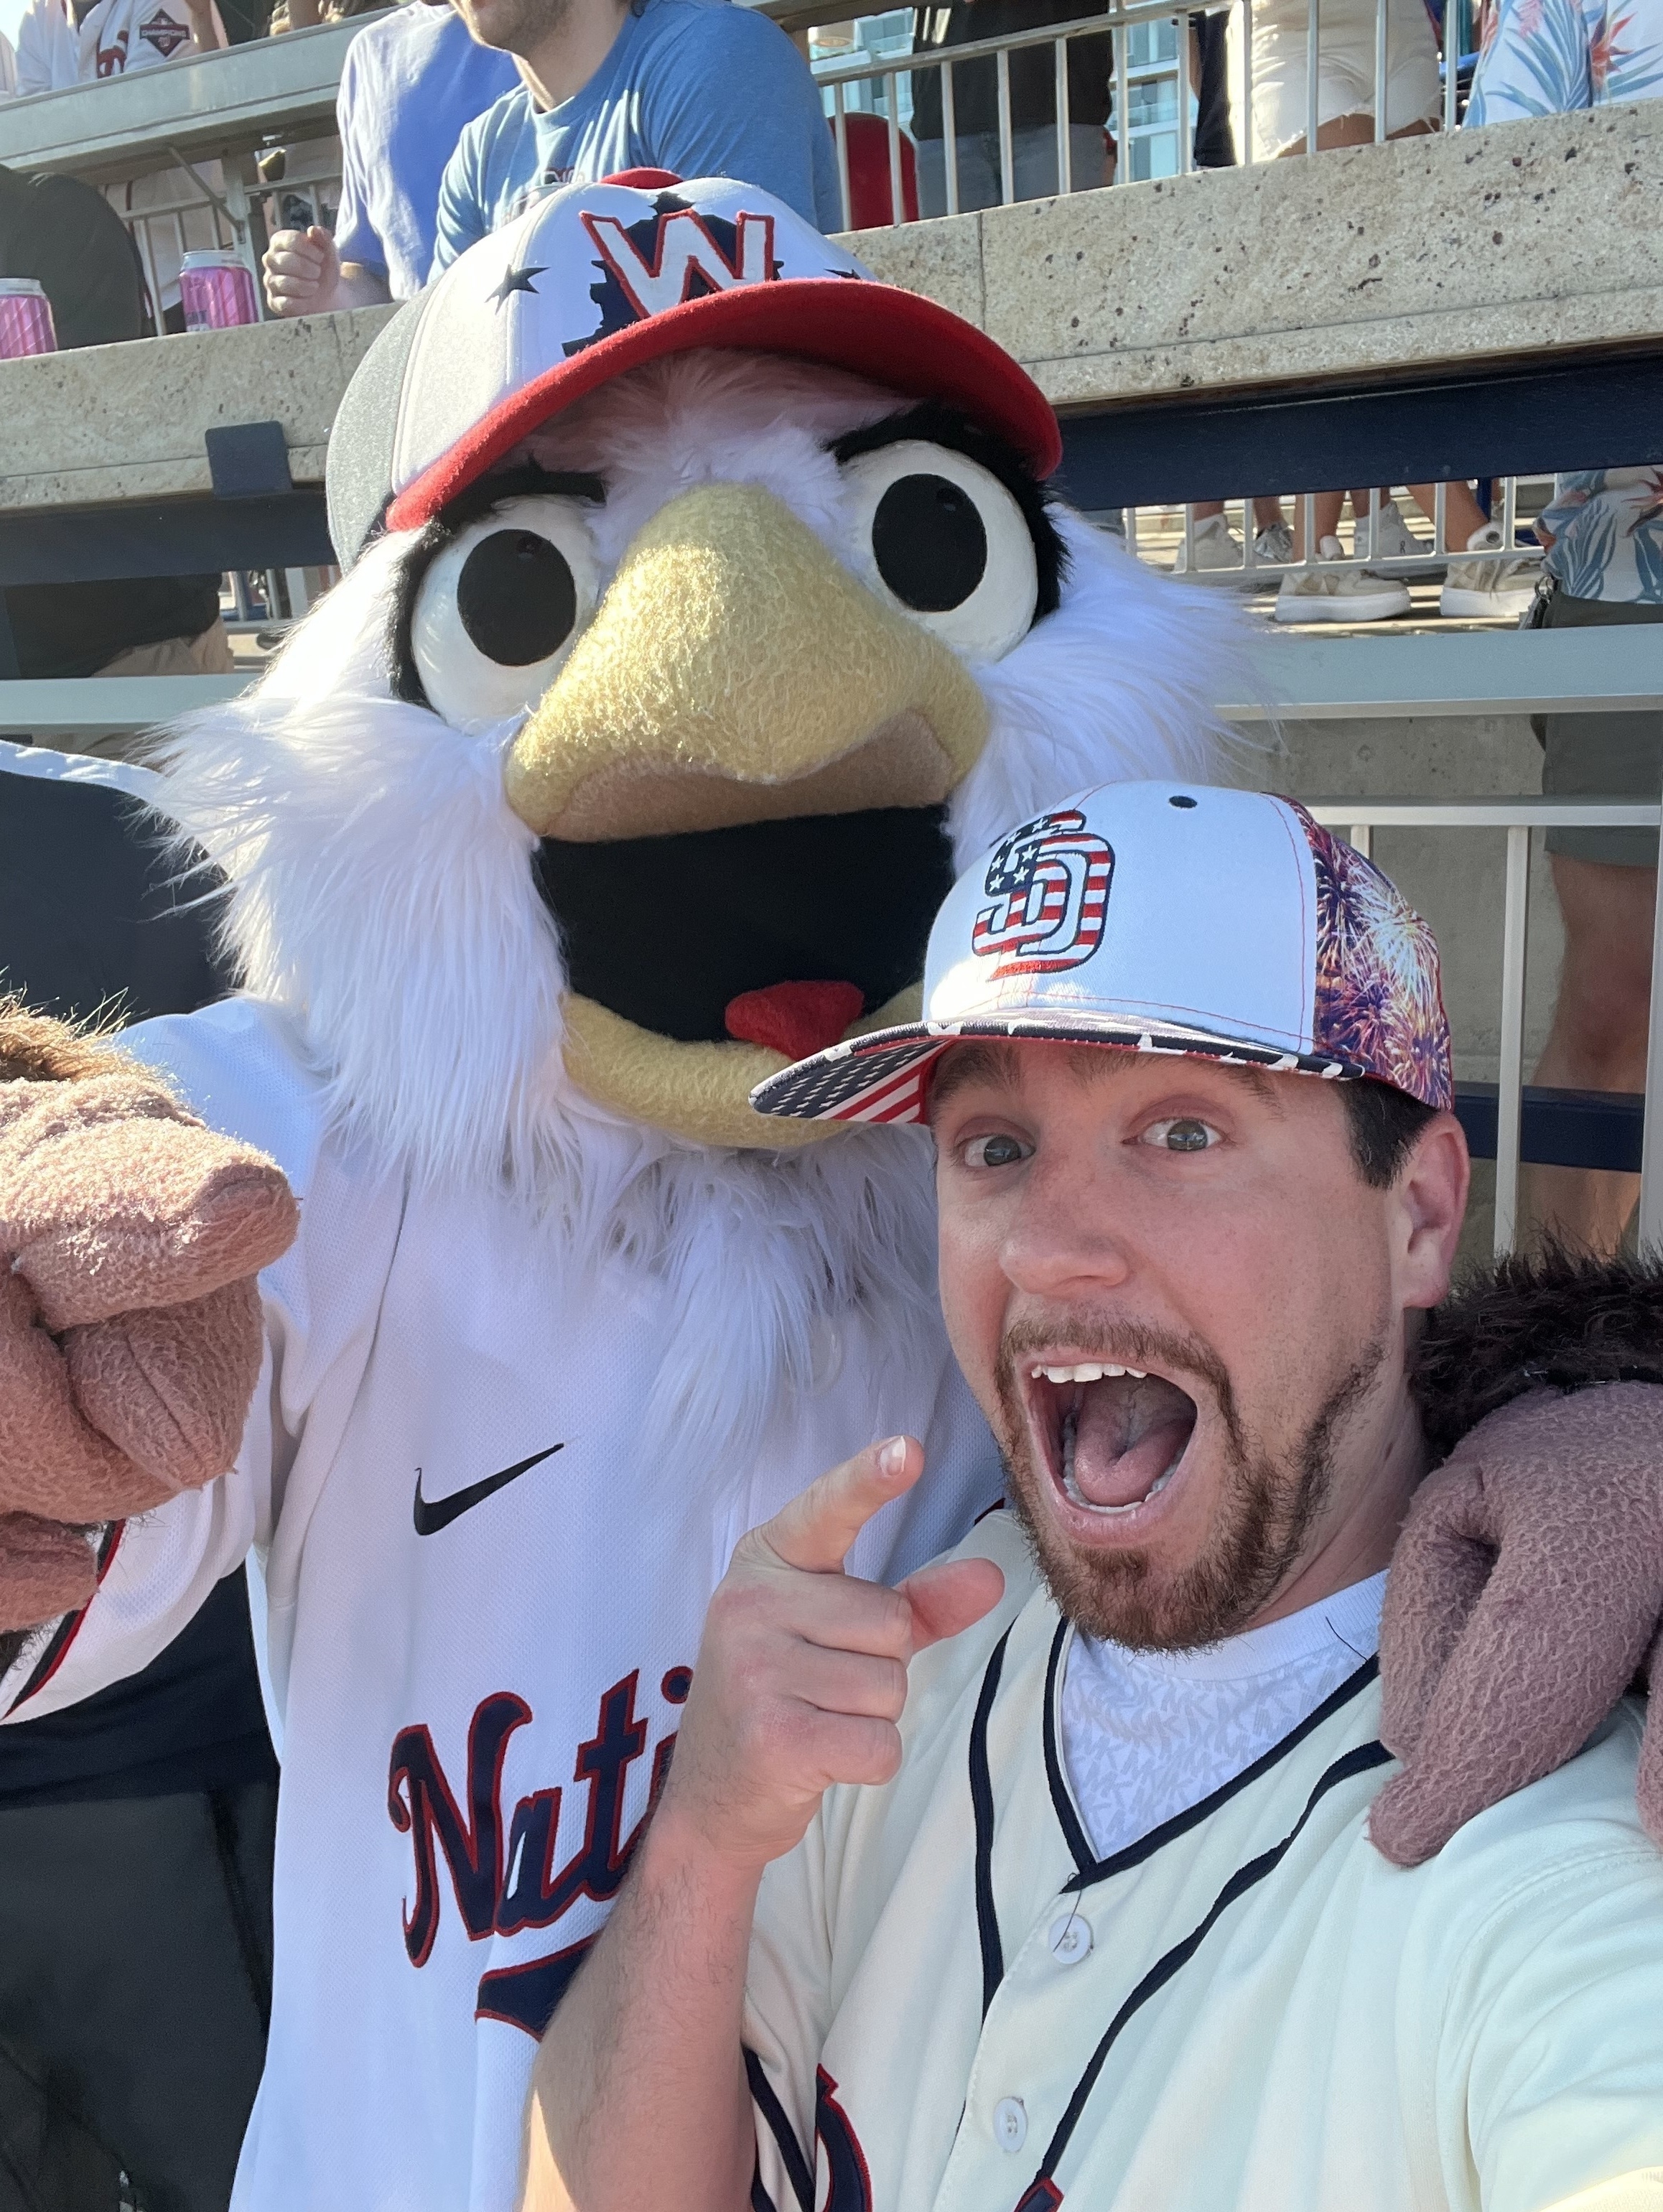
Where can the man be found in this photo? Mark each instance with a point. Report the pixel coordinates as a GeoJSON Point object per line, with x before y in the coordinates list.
{"type": "Point", "coordinates": [1087, 1911]}
{"type": "Point", "coordinates": [411, 80]}
{"type": "Point", "coordinates": [699, 87]}
{"type": "Point", "coordinates": [1603, 532]}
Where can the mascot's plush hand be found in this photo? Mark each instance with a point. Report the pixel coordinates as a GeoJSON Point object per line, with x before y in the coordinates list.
{"type": "Point", "coordinates": [1526, 1589]}
{"type": "Point", "coordinates": [130, 1325]}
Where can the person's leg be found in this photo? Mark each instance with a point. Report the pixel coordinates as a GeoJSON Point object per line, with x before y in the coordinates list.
{"type": "Point", "coordinates": [1463, 517]}
{"type": "Point", "coordinates": [978, 173]}
{"type": "Point", "coordinates": [1326, 506]}
{"type": "Point", "coordinates": [931, 177]}
{"type": "Point", "coordinates": [1606, 880]}
{"type": "Point", "coordinates": [135, 1965]}
{"type": "Point", "coordinates": [49, 2161]}
{"type": "Point", "coordinates": [1034, 161]}
{"type": "Point", "coordinates": [1598, 1041]}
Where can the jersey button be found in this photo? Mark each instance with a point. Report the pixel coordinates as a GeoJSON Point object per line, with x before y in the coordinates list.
{"type": "Point", "coordinates": [1070, 1939]}
{"type": "Point", "coordinates": [1010, 2124]}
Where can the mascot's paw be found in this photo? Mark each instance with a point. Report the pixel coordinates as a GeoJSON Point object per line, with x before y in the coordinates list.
{"type": "Point", "coordinates": [45, 1569]}
{"type": "Point", "coordinates": [130, 1326]}
{"type": "Point", "coordinates": [1524, 1595]}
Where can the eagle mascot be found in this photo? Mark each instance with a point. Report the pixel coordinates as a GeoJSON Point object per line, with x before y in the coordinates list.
{"type": "Point", "coordinates": [703, 601]}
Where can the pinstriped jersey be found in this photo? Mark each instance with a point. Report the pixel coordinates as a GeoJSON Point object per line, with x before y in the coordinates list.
{"type": "Point", "coordinates": [954, 2003]}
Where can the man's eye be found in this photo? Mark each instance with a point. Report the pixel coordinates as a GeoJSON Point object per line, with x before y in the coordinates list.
{"type": "Point", "coordinates": [1000, 1152]}
{"type": "Point", "coordinates": [1182, 1134]}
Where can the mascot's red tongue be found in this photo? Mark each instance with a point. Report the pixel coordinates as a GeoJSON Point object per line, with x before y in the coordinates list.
{"type": "Point", "coordinates": [794, 1019]}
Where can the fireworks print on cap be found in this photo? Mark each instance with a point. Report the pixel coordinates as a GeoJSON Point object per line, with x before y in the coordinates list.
{"type": "Point", "coordinates": [1379, 1003]}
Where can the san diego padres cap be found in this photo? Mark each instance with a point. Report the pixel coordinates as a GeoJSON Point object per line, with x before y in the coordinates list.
{"type": "Point", "coordinates": [594, 279]}
{"type": "Point", "coordinates": [1160, 918]}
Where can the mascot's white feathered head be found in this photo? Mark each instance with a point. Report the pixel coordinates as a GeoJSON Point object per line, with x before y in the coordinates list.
{"type": "Point", "coordinates": [698, 583]}
{"type": "Point", "coordinates": [703, 602]}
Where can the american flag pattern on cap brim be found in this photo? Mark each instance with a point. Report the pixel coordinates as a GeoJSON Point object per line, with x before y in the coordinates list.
{"type": "Point", "coordinates": [1141, 918]}
{"type": "Point", "coordinates": [886, 1077]}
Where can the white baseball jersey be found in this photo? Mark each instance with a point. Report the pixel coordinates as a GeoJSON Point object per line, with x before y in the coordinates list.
{"type": "Point", "coordinates": [952, 2002]}
{"type": "Point", "coordinates": [484, 1610]}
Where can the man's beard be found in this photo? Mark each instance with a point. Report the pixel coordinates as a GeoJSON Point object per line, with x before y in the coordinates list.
{"type": "Point", "coordinates": [517, 25]}
{"type": "Point", "coordinates": [1264, 1515]}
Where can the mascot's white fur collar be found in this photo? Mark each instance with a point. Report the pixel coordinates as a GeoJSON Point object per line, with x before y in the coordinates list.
{"type": "Point", "coordinates": [382, 896]}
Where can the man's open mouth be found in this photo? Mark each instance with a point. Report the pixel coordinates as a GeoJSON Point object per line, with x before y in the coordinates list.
{"type": "Point", "coordinates": [670, 931]}
{"type": "Point", "coordinates": [1113, 1437]}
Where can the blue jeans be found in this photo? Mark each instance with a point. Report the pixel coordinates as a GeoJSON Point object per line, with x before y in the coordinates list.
{"type": "Point", "coordinates": [1035, 167]}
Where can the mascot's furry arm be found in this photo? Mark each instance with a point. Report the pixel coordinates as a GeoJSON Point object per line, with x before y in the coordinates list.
{"type": "Point", "coordinates": [1526, 1588]}
{"type": "Point", "coordinates": [1526, 1591]}
{"type": "Point", "coordinates": [130, 1337]}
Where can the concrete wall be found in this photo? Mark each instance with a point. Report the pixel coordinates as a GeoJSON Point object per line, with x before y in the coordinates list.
{"type": "Point", "coordinates": [1526, 240]}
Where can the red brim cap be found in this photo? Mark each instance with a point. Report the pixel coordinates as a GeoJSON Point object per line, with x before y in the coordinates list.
{"type": "Point", "coordinates": [909, 344]}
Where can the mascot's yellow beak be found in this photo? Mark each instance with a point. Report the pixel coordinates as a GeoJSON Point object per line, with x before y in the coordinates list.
{"type": "Point", "coordinates": [737, 778]}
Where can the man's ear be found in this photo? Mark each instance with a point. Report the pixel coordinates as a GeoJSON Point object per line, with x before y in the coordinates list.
{"type": "Point", "coordinates": [1430, 1200]}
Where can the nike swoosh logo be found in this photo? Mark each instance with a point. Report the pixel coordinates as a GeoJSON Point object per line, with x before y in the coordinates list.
{"type": "Point", "coordinates": [433, 1514]}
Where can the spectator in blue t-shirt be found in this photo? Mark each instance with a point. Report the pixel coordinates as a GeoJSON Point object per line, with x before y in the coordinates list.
{"type": "Point", "coordinates": [703, 88]}
{"type": "Point", "coordinates": [413, 78]}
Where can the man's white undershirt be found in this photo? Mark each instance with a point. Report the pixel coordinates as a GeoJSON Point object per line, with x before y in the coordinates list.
{"type": "Point", "coordinates": [1149, 1733]}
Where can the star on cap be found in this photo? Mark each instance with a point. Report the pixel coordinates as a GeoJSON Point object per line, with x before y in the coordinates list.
{"type": "Point", "coordinates": [516, 280]}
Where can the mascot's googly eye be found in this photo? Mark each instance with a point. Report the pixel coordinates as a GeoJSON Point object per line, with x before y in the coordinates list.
{"type": "Point", "coordinates": [500, 608]}
{"type": "Point", "coordinates": [940, 536]}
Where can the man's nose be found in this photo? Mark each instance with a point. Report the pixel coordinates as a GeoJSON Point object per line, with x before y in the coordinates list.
{"type": "Point", "coordinates": [1067, 1233]}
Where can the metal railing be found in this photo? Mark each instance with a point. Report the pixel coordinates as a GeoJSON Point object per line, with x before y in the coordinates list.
{"type": "Point", "coordinates": [1357, 819]}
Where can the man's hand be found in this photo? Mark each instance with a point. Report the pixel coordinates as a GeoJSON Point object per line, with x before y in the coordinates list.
{"type": "Point", "coordinates": [801, 1678]}
{"type": "Point", "coordinates": [302, 272]}
{"type": "Point", "coordinates": [802, 1672]}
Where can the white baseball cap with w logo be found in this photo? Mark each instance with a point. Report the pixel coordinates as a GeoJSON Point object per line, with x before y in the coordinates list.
{"type": "Point", "coordinates": [1160, 918]}
{"type": "Point", "coordinates": [594, 279]}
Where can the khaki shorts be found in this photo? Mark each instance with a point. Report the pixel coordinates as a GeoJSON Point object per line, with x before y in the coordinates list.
{"type": "Point", "coordinates": [209, 654]}
{"type": "Point", "coordinates": [1345, 68]}
{"type": "Point", "coordinates": [1599, 756]}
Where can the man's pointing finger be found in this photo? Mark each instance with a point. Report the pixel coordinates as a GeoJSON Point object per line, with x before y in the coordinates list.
{"type": "Point", "coordinates": [815, 1531]}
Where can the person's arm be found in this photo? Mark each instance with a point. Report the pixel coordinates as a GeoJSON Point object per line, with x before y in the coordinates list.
{"type": "Point", "coordinates": [207, 32]}
{"type": "Point", "coordinates": [800, 1682]}
{"type": "Point", "coordinates": [356, 240]}
{"type": "Point", "coordinates": [34, 32]}
{"type": "Point", "coordinates": [462, 220]}
{"type": "Point", "coordinates": [732, 97]}
{"type": "Point", "coordinates": [305, 275]}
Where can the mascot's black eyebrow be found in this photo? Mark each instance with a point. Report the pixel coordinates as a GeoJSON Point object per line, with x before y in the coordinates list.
{"type": "Point", "coordinates": [937, 425]}
{"type": "Point", "coordinates": [529, 482]}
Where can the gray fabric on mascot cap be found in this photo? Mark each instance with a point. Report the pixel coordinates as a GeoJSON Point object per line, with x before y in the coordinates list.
{"type": "Point", "coordinates": [358, 471]}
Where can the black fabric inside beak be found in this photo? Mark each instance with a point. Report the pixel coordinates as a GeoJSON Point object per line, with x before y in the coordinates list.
{"type": "Point", "coordinates": [668, 931]}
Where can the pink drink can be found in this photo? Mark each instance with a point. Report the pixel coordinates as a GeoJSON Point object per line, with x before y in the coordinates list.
{"type": "Point", "coordinates": [26, 318]}
{"type": "Point", "coordinates": [216, 291]}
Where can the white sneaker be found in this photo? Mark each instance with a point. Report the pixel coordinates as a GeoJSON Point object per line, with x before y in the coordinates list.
{"type": "Point", "coordinates": [1274, 544]}
{"type": "Point", "coordinates": [1393, 539]}
{"type": "Point", "coordinates": [1501, 586]}
{"type": "Point", "coordinates": [1216, 546]}
{"type": "Point", "coordinates": [1346, 595]}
